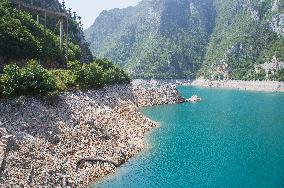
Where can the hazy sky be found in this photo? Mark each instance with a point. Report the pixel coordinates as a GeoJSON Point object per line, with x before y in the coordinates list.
{"type": "Point", "coordinates": [90, 9]}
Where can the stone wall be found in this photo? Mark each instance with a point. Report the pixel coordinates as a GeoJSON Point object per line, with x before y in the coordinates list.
{"type": "Point", "coordinates": [76, 137]}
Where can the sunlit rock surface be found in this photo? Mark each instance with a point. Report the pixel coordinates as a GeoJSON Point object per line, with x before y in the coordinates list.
{"type": "Point", "coordinates": [76, 137]}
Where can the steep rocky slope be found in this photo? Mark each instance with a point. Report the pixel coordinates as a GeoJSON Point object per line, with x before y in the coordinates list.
{"type": "Point", "coordinates": [246, 33]}
{"type": "Point", "coordinates": [164, 38]}
{"type": "Point", "coordinates": [216, 39]}
{"type": "Point", "coordinates": [73, 139]}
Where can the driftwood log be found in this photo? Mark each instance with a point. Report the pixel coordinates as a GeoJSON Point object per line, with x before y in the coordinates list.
{"type": "Point", "coordinates": [94, 160]}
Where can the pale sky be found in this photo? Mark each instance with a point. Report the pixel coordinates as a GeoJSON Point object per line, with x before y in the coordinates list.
{"type": "Point", "coordinates": [89, 10]}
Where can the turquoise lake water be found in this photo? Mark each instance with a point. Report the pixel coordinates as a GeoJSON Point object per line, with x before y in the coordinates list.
{"type": "Point", "coordinates": [231, 139]}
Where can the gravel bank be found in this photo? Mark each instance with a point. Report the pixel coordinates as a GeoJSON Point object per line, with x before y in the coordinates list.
{"type": "Point", "coordinates": [268, 86]}
{"type": "Point", "coordinates": [76, 137]}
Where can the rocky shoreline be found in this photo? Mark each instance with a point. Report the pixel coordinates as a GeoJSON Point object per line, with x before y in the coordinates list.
{"type": "Point", "coordinates": [76, 137]}
{"type": "Point", "coordinates": [266, 86]}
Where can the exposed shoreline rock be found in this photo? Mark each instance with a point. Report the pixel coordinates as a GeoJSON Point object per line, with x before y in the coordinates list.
{"type": "Point", "coordinates": [77, 137]}
{"type": "Point", "coordinates": [266, 86]}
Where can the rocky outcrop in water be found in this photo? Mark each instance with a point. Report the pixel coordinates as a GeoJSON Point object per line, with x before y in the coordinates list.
{"type": "Point", "coordinates": [76, 137]}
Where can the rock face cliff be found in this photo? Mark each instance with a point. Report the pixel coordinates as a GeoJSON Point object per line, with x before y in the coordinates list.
{"type": "Point", "coordinates": [75, 138]}
{"type": "Point", "coordinates": [246, 33]}
{"type": "Point", "coordinates": [216, 39]}
{"type": "Point", "coordinates": [166, 38]}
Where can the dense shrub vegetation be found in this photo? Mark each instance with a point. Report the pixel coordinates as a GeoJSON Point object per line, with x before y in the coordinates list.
{"type": "Point", "coordinates": [22, 38]}
{"type": "Point", "coordinates": [278, 76]}
{"type": "Point", "coordinates": [88, 75]}
{"type": "Point", "coordinates": [33, 79]}
{"type": "Point", "coordinates": [97, 74]}
{"type": "Point", "coordinates": [64, 79]}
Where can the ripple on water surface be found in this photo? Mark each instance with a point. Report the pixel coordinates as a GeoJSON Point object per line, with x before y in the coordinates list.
{"type": "Point", "coordinates": [231, 139]}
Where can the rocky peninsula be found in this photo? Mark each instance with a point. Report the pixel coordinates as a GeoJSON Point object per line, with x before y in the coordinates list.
{"type": "Point", "coordinates": [76, 137]}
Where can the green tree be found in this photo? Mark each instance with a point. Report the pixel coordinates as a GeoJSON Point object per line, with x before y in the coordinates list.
{"type": "Point", "coordinates": [30, 80]}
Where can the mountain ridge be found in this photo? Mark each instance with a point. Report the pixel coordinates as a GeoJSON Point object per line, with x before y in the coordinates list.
{"type": "Point", "coordinates": [216, 39]}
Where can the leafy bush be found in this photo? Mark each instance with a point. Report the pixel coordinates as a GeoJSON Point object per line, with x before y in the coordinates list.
{"type": "Point", "coordinates": [32, 79]}
{"type": "Point", "coordinates": [280, 75]}
{"type": "Point", "coordinates": [74, 52]}
{"type": "Point", "coordinates": [115, 75]}
{"type": "Point", "coordinates": [97, 74]}
{"type": "Point", "coordinates": [90, 76]}
{"type": "Point", "coordinates": [74, 66]}
{"type": "Point", "coordinates": [277, 76]}
{"type": "Point", "coordinates": [64, 79]}
{"type": "Point", "coordinates": [87, 76]}
{"type": "Point", "coordinates": [104, 63]}
{"type": "Point", "coordinates": [261, 75]}
{"type": "Point", "coordinates": [1, 87]}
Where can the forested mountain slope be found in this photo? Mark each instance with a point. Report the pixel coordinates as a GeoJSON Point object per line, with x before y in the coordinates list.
{"type": "Point", "coordinates": [161, 38]}
{"type": "Point", "coordinates": [34, 58]}
{"type": "Point", "coordinates": [215, 39]}
{"type": "Point", "coordinates": [53, 5]}
{"type": "Point", "coordinates": [22, 38]}
{"type": "Point", "coordinates": [246, 33]}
